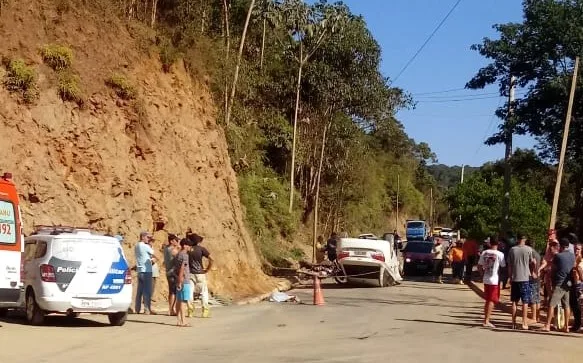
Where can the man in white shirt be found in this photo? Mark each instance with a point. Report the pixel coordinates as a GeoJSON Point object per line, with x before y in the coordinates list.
{"type": "Point", "coordinates": [438, 254]}
{"type": "Point", "coordinates": [490, 261]}
{"type": "Point", "coordinates": [144, 259]}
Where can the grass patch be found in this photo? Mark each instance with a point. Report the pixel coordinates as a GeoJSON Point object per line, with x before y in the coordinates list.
{"type": "Point", "coordinates": [266, 213]}
{"type": "Point", "coordinates": [21, 78]}
{"type": "Point", "coordinates": [169, 54]}
{"type": "Point", "coordinates": [58, 57]}
{"type": "Point", "coordinates": [69, 89]}
{"type": "Point", "coordinates": [297, 254]}
{"type": "Point", "coordinates": [122, 87]}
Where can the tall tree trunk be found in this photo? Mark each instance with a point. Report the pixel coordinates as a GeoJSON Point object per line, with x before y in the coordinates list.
{"type": "Point", "coordinates": [238, 65]}
{"type": "Point", "coordinates": [154, 9]}
{"type": "Point", "coordinates": [131, 9]}
{"type": "Point", "coordinates": [294, 141]}
{"type": "Point", "coordinates": [202, 21]}
{"type": "Point", "coordinates": [318, 195]}
{"type": "Point", "coordinates": [227, 51]}
{"type": "Point", "coordinates": [262, 45]}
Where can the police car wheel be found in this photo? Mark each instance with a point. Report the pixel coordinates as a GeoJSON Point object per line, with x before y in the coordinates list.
{"type": "Point", "coordinates": [118, 319]}
{"type": "Point", "coordinates": [34, 314]}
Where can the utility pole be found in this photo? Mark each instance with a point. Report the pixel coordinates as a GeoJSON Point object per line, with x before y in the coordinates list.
{"type": "Point", "coordinates": [563, 148]}
{"type": "Point", "coordinates": [460, 218]}
{"type": "Point", "coordinates": [508, 129]}
{"type": "Point", "coordinates": [398, 191]}
{"type": "Point", "coordinates": [431, 208]}
{"type": "Point", "coordinates": [462, 178]}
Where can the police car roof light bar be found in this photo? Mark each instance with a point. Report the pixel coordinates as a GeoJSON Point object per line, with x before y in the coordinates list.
{"type": "Point", "coordinates": [55, 230]}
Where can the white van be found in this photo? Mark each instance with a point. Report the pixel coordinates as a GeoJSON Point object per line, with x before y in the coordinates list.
{"type": "Point", "coordinates": [70, 271]}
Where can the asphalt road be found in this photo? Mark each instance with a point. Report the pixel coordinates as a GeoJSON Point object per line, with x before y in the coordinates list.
{"type": "Point", "coordinates": [415, 322]}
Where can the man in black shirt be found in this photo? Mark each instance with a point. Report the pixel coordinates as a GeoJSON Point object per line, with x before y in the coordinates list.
{"type": "Point", "coordinates": [563, 264]}
{"type": "Point", "coordinates": [198, 271]}
{"type": "Point", "coordinates": [331, 246]}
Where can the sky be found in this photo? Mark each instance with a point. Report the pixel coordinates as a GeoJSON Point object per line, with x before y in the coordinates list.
{"type": "Point", "coordinates": [455, 130]}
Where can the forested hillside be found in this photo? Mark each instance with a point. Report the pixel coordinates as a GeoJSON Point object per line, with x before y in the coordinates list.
{"type": "Point", "coordinates": [306, 110]}
{"type": "Point", "coordinates": [308, 116]}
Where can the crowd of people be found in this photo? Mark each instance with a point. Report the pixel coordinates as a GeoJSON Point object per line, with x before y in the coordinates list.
{"type": "Point", "coordinates": [185, 272]}
{"type": "Point", "coordinates": [557, 276]}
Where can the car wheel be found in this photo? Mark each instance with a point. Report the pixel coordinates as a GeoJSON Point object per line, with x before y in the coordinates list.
{"type": "Point", "coordinates": [34, 314]}
{"type": "Point", "coordinates": [118, 319]}
{"type": "Point", "coordinates": [387, 279]}
{"type": "Point", "coordinates": [73, 315]}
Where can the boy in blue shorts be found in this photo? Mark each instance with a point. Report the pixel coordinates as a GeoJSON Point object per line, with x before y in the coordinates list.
{"type": "Point", "coordinates": [183, 290]}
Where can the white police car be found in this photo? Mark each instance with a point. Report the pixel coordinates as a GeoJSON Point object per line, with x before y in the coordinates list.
{"type": "Point", "coordinates": [69, 271]}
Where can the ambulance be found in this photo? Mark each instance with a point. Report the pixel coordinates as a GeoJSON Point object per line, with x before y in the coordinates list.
{"type": "Point", "coordinates": [11, 245]}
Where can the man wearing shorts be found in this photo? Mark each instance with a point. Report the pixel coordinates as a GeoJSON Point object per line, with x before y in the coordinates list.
{"type": "Point", "coordinates": [535, 284]}
{"type": "Point", "coordinates": [182, 270]}
{"type": "Point", "coordinates": [520, 262]}
{"type": "Point", "coordinates": [488, 264]}
{"type": "Point", "coordinates": [170, 251]}
{"type": "Point", "coordinates": [563, 264]}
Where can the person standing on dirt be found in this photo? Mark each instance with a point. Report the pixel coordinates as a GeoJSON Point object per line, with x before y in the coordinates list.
{"type": "Point", "coordinates": [170, 251]}
{"type": "Point", "coordinates": [331, 246]}
{"type": "Point", "coordinates": [198, 272]}
{"type": "Point", "coordinates": [438, 255]}
{"type": "Point", "coordinates": [144, 259]}
{"type": "Point", "coordinates": [182, 273]}
{"type": "Point", "coordinates": [489, 264]}
{"type": "Point", "coordinates": [520, 262]}
{"type": "Point", "coordinates": [575, 293]}
{"type": "Point", "coordinates": [563, 264]}
{"type": "Point", "coordinates": [535, 283]}
{"type": "Point", "coordinates": [456, 258]}
{"type": "Point", "coordinates": [471, 255]}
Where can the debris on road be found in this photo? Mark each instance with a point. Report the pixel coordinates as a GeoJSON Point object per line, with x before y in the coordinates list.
{"type": "Point", "coordinates": [280, 297]}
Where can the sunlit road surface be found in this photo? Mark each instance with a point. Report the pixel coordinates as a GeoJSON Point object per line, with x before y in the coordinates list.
{"type": "Point", "coordinates": [418, 321]}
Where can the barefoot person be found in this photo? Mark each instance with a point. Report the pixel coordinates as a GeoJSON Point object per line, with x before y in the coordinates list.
{"type": "Point", "coordinates": [183, 291]}
{"type": "Point", "coordinates": [561, 268]}
{"type": "Point", "coordinates": [489, 263]}
{"type": "Point", "coordinates": [170, 251]}
{"type": "Point", "coordinates": [520, 263]}
{"type": "Point", "coordinates": [535, 284]}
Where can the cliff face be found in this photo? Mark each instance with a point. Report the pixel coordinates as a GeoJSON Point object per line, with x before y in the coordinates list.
{"type": "Point", "coordinates": [115, 164]}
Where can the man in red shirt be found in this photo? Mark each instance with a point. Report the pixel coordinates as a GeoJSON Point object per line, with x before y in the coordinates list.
{"type": "Point", "coordinates": [471, 254]}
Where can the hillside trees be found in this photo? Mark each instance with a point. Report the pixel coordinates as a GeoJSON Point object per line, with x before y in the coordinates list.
{"type": "Point", "coordinates": [315, 68]}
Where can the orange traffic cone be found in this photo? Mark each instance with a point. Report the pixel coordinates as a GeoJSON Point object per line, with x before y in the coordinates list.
{"type": "Point", "coordinates": [318, 295]}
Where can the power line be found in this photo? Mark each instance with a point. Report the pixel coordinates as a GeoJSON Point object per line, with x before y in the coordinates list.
{"type": "Point", "coordinates": [436, 92]}
{"type": "Point", "coordinates": [460, 96]}
{"type": "Point", "coordinates": [427, 40]}
{"type": "Point", "coordinates": [459, 99]}
{"type": "Point", "coordinates": [492, 119]}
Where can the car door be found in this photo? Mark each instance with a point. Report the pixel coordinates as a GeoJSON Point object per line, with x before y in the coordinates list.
{"type": "Point", "coordinates": [30, 271]}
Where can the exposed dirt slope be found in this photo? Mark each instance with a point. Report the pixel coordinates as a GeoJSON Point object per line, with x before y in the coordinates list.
{"type": "Point", "coordinates": [121, 165]}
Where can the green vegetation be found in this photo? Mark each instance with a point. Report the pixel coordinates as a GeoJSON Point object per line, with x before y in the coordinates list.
{"type": "Point", "coordinates": [122, 86]}
{"type": "Point", "coordinates": [21, 78]}
{"type": "Point", "coordinates": [169, 54]}
{"type": "Point", "coordinates": [540, 52]}
{"type": "Point", "coordinates": [68, 87]}
{"type": "Point", "coordinates": [58, 57]}
{"type": "Point", "coordinates": [345, 115]}
{"type": "Point", "coordinates": [479, 201]}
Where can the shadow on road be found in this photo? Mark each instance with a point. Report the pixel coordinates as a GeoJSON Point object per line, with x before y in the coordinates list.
{"type": "Point", "coordinates": [150, 322]}
{"type": "Point", "coordinates": [59, 321]}
{"type": "Point", "coordinates": [470, 325]}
